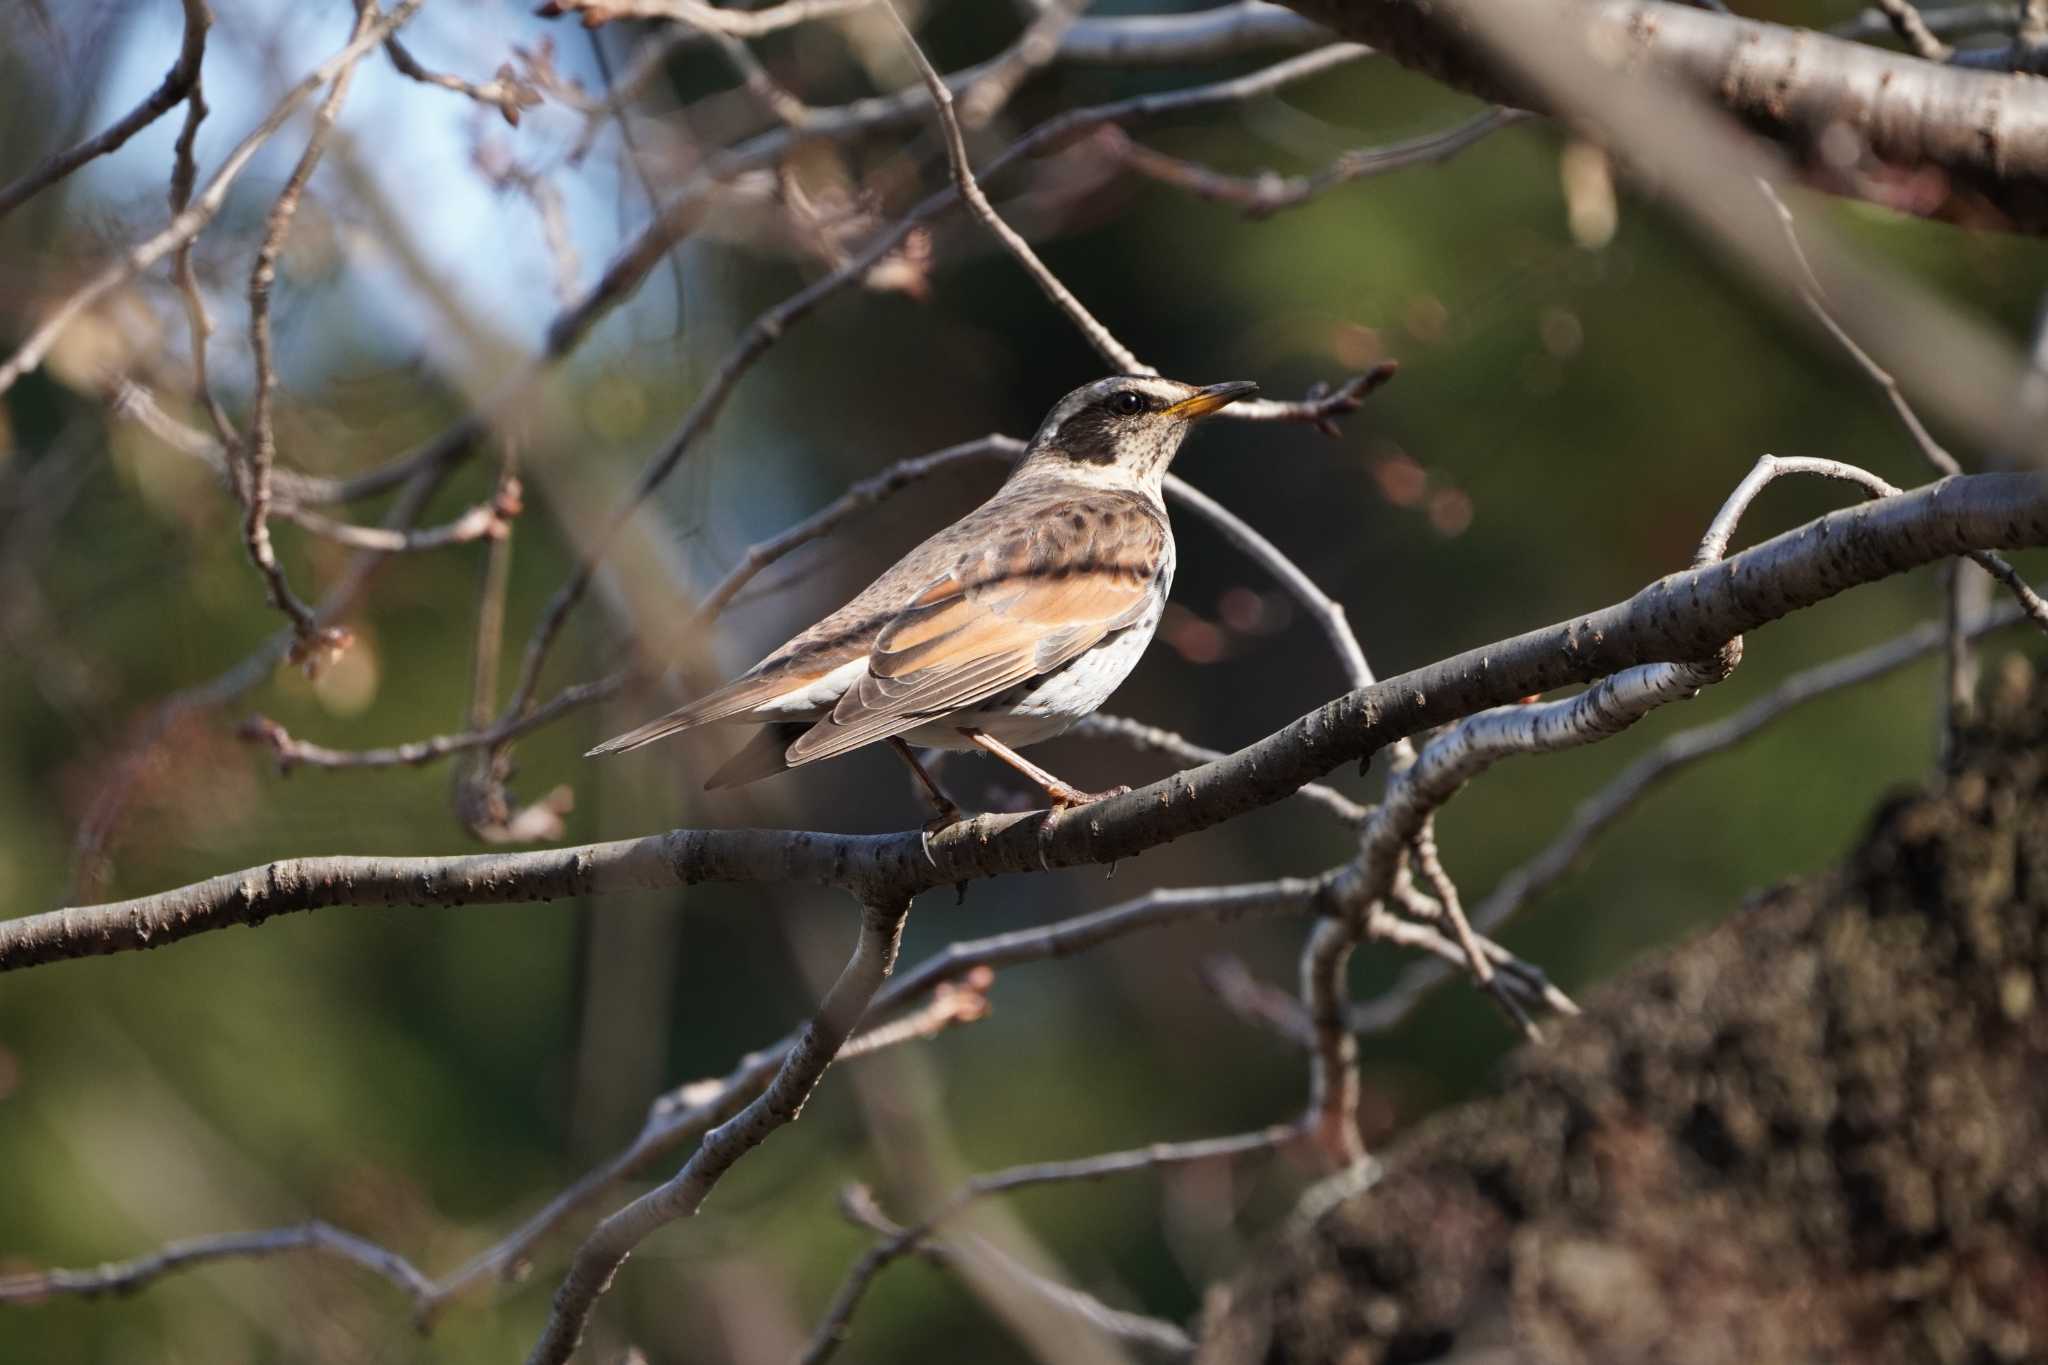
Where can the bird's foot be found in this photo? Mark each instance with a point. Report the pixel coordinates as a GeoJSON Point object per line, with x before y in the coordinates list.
{"type": "Point", "coordinates": [1066, 798]}
{"type": "Point", "coordinates": [944, 816]}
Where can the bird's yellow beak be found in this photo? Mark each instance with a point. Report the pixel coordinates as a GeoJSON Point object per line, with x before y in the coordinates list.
{"type": "Point", "coordinates": [1202, 402]}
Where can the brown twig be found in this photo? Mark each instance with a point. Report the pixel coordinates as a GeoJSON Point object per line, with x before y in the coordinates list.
{"type": "Point", "coordinates": [186, 225]}
{"type": "Point", "coordinates": [1266, 194]}
{"type": "Point", "coordinates": [253, 481]}
{"type": "Point", "coordinates": [507, 92]}
{"type": "Point", "coordinates": [896, 1242]}
{"type": "Point", "coordinates": [1035, 49]}
{"type": "Point", "coordinates": [598, 1259]}
{"type": "Point", "coordinates": [127, 1277]}
{"type": "Point", "coordinates": [1120, 357]}
{"type": "Point", "coordinates": [767, 328]}
{"type": "Point", "coordinates": [708, 18]}
{"type": "Point", "coordinates": [1906, 21]}
{"type": "Point", "coordinates": [1678, 616]}
{"type": "Point", "coordinates": [178, 84]}
{"type": "Point", "coordinates": [1152, 739]}
{"type": "Point", "coordinates": [295, 753]}
{"type": "Point", "coordinates": [858, 1204]}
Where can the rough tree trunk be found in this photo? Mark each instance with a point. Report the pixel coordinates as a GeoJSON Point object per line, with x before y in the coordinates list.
{"type": "Point", "coordinates": [1815, 1133]}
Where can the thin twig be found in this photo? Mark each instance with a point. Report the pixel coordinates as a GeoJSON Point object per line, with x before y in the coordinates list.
{"type": "Point", "coordinates": [177, 84]}
{"type": "Point", "coordinates": [1034, 49]}
{"type": "Point", "coordinates": [709, 18]}
{"type": "Point", "coordinates": [507, 93]}
{"type": "Point", "coordinates": [778, 99]}
{"type": "Point", "coordinates": [1912, 29]}
{"type": "Point", "coordinates": [1120, 357]}
{"type": "Point", "coordinates": [259, 452]}
{"type": "Point", "coordinates": [1255, 1002]}
{"type": "Point", "coordinates": [294, 753]}
{"type": "Point", "coordinates": [896, 1242]}
{"type": "Point", "coordinates": [1263, 195]}
{"type": "Point", "coordinates": [1155, 1333]}
{"type": "Point", "coordinates": [1152, 739]}
{"type": "Point", "coordinates": [688, 1111]}
{"type": "Point", "coordinates": [126, 1277]}
{"type": "Point", "coordinates": [1932, 450]}
{"type": "Point", "coordinates": [1680, 751]}
{"type": "Point", "coordinates": [188, 224]}
{"type": "Point", "coordinates": [605, 1250]}
{"type": "Point", "coordinates": [769, 327]}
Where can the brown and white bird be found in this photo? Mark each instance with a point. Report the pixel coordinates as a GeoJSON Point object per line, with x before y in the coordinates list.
{"type": "Point", "coordinates": [1001, 630]}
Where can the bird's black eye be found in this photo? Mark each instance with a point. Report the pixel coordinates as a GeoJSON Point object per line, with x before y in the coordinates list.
{"type": "Point", "coordinates": [1128, 403]}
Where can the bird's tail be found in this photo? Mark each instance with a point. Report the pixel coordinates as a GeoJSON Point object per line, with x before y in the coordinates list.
{"type": "Point", "coordinates": [672, 723]}
{"type": "Point", "coordinates": [765, 755]}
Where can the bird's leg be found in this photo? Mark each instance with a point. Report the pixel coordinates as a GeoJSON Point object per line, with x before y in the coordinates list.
{"type": "Point", "coordinates": [1062, 795]}
{"type": "Point", "coordinates": [945, 810]}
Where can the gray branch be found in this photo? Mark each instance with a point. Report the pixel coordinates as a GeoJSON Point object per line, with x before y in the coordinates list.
{"type": "Point", "coordinates": [1684, 616]}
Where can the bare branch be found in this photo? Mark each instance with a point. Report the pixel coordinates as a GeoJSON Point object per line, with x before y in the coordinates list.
{"type": "Point", "coordinates": [1934, 452]}
{"type": "Point", "coordinates": [1255, 1002]}
{"type": "Point", "coordinates": [259, 451]}
{"type": "Point", "coordinates": [1327, 611]}
{"type": "Point", "coordinates": [865, 494]}
{"type": "Point", "coordinates": [293, 753]}
{"type": "Point", "coordinates": [126, 1277]}
{"type": "Point", "coordinates": [900, 1241]}
{"type": "Point", "coordinates": [1151, 739]}
{"type": "Point", "coordinates": [770, 326]}
{"type": "Point", "coordinates": [709, 18]}
{"type": "Point", "coordinates": [1266, 194]}
{"type": "Point", "coordinates": [1680, 751]}
{"type": "Point", "coordinates": [186, 225]}
{"type": "Point", "coordinates": [1789, 84]}
{"type": "Point", "coordinates": [1120, 357]}
{"type": "Point", "coordinates": [1034, 49]}
{"type": "Point", "coordinates": [607, 1247]}
{"type": "Point", "coordinates": [176, 85]}
{"type": "Point", "coordinates": [1684, 615]}
{"type": "Point", "coordinates": [687, 1112]}
{"type": "Point", "coordinates": [859, 1205]}
{"type": "Point", "coordinates": [507, 93]}
{"type": "Point", "coordinates": [1912, 29]}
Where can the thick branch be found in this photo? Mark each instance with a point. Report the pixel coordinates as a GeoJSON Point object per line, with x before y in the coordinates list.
{"type": "Point", "coordinates": [1683, 616]}
{"type": "Point", "coordinates": [1988, 130]}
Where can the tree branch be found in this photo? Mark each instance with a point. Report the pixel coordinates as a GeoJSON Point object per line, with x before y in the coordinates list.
{"type": "Point", "coordinates": [1683, 616]}
{"type": "Point", "coordinates": [1988, 131]}
{"type": "Point", "coordinates": [177, 83]}
{"type": "Point", "coordinates": [186, 225]}
{"type": "Point", "coordinates": [606, 1249]}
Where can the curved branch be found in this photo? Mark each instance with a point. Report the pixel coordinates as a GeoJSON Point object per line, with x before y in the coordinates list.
{"type": "Point", "coordinates": [1987, 130]}
{"type": "Point", "coordinates": [1682, 616]}
{"type": "Point", "coordinates": [176, 85]}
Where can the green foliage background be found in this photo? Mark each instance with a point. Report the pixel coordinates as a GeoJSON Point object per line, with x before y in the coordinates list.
{"type": "Point", "coordinates": [424, 1077]}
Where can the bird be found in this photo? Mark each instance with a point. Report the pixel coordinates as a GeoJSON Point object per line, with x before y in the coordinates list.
{"type": "Point", "coordinates": [998, 632]}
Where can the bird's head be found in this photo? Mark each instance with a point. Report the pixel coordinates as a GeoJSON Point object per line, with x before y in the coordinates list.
{"type": "Point", "coordinates": [1122, 432]}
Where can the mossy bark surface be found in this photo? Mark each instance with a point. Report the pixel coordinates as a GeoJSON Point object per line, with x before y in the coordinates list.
{"type": "Point", "coordinates": [1815, 1133]}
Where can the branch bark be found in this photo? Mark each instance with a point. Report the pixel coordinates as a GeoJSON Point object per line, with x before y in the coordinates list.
{"type": "Point", "coordinates": [1683, 616]}
{"type": "Point", "coordinates": [1987, 130]}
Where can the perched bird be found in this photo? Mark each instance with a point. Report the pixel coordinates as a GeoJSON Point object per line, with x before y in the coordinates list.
{"type": "Point", "coordinates": [1001, 630]}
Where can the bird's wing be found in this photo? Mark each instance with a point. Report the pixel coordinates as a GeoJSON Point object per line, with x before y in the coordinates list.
{"type": "Point", "coordinates": [998, 618]}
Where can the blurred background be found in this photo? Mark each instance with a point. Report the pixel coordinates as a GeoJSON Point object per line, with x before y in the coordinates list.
{"type": "Point", "coordinates": [1580, 386]}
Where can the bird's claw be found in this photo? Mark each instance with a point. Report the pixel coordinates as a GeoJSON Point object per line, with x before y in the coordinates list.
{"type": "Point", "coordinates": [1066, 798]}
